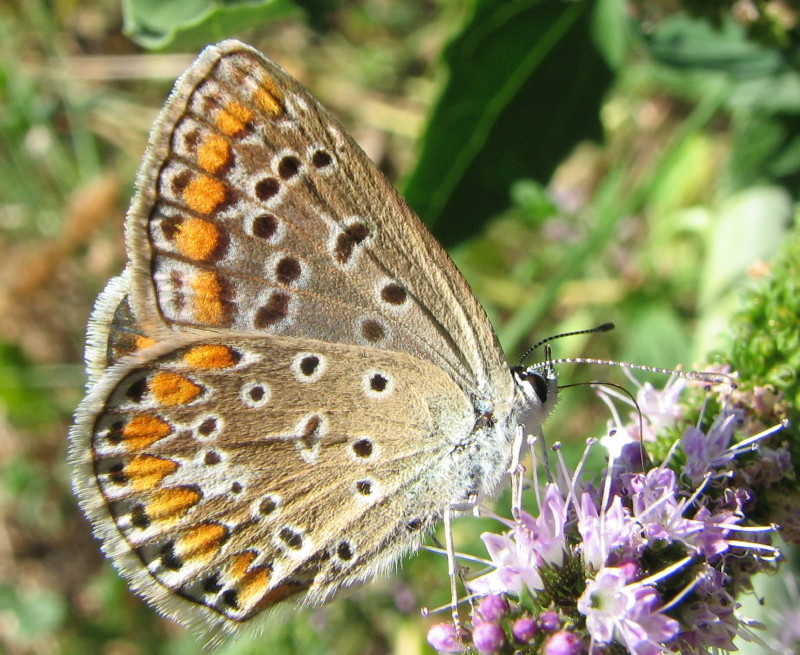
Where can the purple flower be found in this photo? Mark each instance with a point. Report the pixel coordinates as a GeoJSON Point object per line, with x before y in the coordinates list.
{"type": "Point", "coordinates": [524, 630]}
{"type": "Point", "coordinates": [705, 452]}
{"type": "Point", "coordinates": [660, 406]}
{"type": "Point", "coordinates": [515, 565]}
{"type": "Point", "coordinates": [656, 507]}
{"type": "Point", "coordinates": [631, 567]}
{"type": "Point", "coordinates": [488, 637]}
{"type": "Point", "coordinates": [712, 538]}
{"type": "Point", "coordinates": [549, 621]}
{"type": "Point", "coordinates": [604, 533]}
{"type": "Point", "coordinates": [628, 613]}
{"type": "Point", "coordinates": [772, 465]}
{"type": "Point", "coordinates": [710, 622]}
{"type": "Point", "coordinates": [563, 643]}
{"type": "Point", "coordinates": [518, 554]}
{"type": "Point", "coordinates": [712, 582]}
{"type": "Point", "coordinates": [659, 412]}
{"type": "Point", "coordinates": [615, 536]}
{"type": "Point", "coordinates": [444, 638]}
{"type": "Point", "coordinates": [492, 608]}
{"type": "Point", "coordinates": [549, 527]}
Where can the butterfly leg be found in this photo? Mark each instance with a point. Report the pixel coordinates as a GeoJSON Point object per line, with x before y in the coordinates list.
{"type": "Point", "coordinates": [453, 571]}
{"type": "Point", "coordinates": [517, 473]}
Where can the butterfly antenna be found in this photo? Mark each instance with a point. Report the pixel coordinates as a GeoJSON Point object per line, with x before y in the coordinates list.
{"type": "Point", "coordinates": [700, 376]}
{"type": "Point", "coordinates": [605, 327]}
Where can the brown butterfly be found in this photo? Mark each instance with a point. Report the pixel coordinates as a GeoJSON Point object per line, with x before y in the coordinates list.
{"type": "Point", "coordinates": [291, 382]}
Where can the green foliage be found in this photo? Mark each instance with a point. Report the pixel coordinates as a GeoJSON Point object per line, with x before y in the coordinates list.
{"type": "Point", "coordinates": [194, 23]}
{"type": "Point", "coordinates": [524, 87]}
{"type": "Point", "coordinates": [765, 343]}
{"type": "Point", "coordinates": [761, 87]}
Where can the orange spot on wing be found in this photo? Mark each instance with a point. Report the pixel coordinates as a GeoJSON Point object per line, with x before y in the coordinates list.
{"type": "Point", "coordinates": [203, 541]}
{"type": "Point", "coordinates": [172, 389]}
{"type": "Point", "coordinates": [213, 153]}
{"type": "Point", "coordinates": [146, 471]}
{"type": "Point", "coordinates": [196, 238]}
{"type": "Point", "coordinates": [240, 563]}
{"type": "Point", "coordinates": [143, 430]}
{"type": "Point", "coordinates": [204, 194]}
{"type": "Point", "coordinates": [210, 356]}
{"type": "Point", "coordinates": [143, 342]}
{"type": "Point", "coordinates": [253, 585]}
{"type": "Point", "coordinates": [172, 503]}
{"type": "Point", "coordinates": [233, 119]}
{"type": "Point", "coordinates": [208, 306]}
{"type": "Point", "coordinates": [269, 99]}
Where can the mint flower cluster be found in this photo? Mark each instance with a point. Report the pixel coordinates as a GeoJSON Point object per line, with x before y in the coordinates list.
{"type": "Point", "coordinates": [652, 559]}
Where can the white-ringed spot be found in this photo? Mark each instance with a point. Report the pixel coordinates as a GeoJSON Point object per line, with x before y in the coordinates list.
{"type": "Point", "coordinates": [209, 427]}
{"type": "Point", "coordinates": [392, 294]}
{"type": "Point", "coordinates": [211, 458]}
{"type": "Point", "coordinates": [268, 506]}
{"type": "Point", "coordinates": [255, 394]}
{"type": "Point", "coordinates": [363, 449]}
{"type": "Point", "coordinates": [308, 367]}
{"type": "Point", "coordinates": [308, 434]}
{"type": "Point", "coordinates": [371, 331]}
{"type": "Point", "coordinates": [267, 227]}
{"type": "Point", "coordinates": [268, 190]}
{"type": "Point", "coordinates": [287, 270]}
{"type": "Point", "coordinates": [293, 541]}
{"type": "Point", "coordinates": [321, 159]}
{"type": "Point", "coordinates": [287, 166]}
{"type": "Point", "coordinates": [343, 553]}
{"type": "Point", "coordinates": [377, 384]}
{"type": "Point", "coordinates": [366, 489]}
{"type": "Point", "coordinates": [273, 311]}
{"type": "Point", "coordinates": [348, 241]}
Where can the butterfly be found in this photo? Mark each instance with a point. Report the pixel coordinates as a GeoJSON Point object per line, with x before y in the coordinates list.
{"type": "Point", "coordinates": [290, 384]}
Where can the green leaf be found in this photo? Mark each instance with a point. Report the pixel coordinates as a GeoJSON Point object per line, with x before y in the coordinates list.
{"type": "Point", "coordinates": [612, 31]}
{"type": "Point", "coordinates": [765, 148]}
{"type": "Point", "coordinates": [760, 87]}
{"type": "Point", "coordinates": [525, 85]}
{"type": "Point", "coordinates": [191, 24]}
{"type": "Point", "coordinates": [685, 42]}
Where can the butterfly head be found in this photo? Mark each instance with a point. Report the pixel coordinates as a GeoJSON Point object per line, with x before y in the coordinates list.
{"type": "Point", "coordinates": [536, 393]}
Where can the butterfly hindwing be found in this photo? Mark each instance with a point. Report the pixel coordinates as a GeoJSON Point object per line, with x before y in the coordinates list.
{"type": "Point", "coordinates": [231, 495]}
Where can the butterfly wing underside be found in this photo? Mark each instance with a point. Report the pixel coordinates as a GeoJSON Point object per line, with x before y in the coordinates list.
{"type": "Point", "coordinates": [233, 496]}
{"type": "Point", "coordinates": [256, 212]}
{"type": "Point", "coordinates": [285, 380]}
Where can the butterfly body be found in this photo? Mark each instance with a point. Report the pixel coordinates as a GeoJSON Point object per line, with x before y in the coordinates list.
{"type": "Point", "coordinates": [291, 381]}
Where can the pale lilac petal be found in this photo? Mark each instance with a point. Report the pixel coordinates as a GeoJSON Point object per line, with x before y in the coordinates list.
{"type": "Point", "coordinates": [443, 638]}
{"type": "Point", "coordinates": [618, 611]}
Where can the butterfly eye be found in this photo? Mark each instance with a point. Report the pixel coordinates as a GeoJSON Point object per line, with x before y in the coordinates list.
{"type": "Point", "coordinates": [534, 380]}
{"type": "Point", "coordinates": [539, 385]}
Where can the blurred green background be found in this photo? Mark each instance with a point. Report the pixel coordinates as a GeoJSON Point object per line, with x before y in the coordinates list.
{"type": "Point", "coordinates": [634, 162]}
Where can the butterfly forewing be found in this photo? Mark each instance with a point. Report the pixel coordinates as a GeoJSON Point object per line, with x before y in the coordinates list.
{"type": "Point", "coordinates": [257, 213]}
